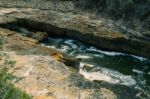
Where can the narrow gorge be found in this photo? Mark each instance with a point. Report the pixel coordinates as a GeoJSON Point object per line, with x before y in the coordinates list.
{"type": "Point", "coordinates": [62, 51]}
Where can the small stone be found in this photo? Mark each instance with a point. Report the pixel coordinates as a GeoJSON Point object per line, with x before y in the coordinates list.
{"type": "Point", "coordinates": [39, 35]}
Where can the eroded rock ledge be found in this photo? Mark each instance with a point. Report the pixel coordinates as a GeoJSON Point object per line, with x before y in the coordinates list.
{"type": "Point", "coordinates": [81, 27]}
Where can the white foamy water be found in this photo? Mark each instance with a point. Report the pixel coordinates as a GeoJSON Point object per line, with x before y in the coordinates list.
{"type": "Point", "coordinates": [109, 66]}
{"type": "Point", "coordinates": [107, 75]}
{"type": "Point", "coordinates": [98, 76]}
{"type": "Point", "coordinates": [138, 57]}
{"type": "Point", "coordinates": [105, 52]}
{"type": "Point", "coordinates": [83, 56]}
{"type": "Point", "coordinates": [138, 71]}
{"type": "Point", "coordinates": [124, 79]}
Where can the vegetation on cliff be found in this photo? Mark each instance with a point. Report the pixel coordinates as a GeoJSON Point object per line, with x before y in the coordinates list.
{"type": "Point", "coordinates": [118, 8]}
{"type": "Point", "coordinates": [113, 8]}
{"type": "Point", "coordinates": [7, 89]}
{"type": "Point", "coordinates": [2, 41]}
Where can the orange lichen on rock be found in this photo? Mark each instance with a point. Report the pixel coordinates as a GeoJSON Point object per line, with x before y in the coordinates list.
{"type": "Point", "coordinates": [57, 56]}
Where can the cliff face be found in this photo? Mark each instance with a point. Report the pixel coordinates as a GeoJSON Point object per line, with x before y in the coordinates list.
{"type": "Point", "coordinates": [83, 27]}
{"type": "Point", "coordinates": [131, 16]}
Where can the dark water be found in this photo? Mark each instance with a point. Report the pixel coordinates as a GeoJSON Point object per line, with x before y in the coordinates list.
{"type": "Point", "coordinates": [113, 67]}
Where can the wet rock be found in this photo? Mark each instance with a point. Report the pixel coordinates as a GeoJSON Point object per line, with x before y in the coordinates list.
{"type": "Point", "coordinates": [30, 40]}
{"type": "Point", "coordinates": [87, 67]}
{"type": "Point", "coordinates": [24, 31]}
{"type": "Point", "coordinates": [39, 35]}
{"type": "Point", "coordinates": [72, 62]}
{"type": "Point", "coordinates": [57, 56]}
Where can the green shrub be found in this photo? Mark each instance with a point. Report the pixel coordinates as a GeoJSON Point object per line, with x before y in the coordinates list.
{"type": "Point", "coordinates": [116, 8]}
{"type": "Point", "coordinates": [7, 90]}
{"type": "Point", "coordinates": [10, 62]}
{"type": "Point", "coordinates": [2, 42]}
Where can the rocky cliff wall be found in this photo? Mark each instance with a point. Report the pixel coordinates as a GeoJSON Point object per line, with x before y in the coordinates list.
{"type": "Point", "coordinates": [69, 18]}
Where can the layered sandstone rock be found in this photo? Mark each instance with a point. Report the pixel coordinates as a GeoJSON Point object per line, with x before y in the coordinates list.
{"type": "Point", "coordinates": [81, 27]}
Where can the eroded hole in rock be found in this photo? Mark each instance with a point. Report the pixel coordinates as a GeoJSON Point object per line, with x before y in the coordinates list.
{"type": "Point", "coordinates": [93, 63]}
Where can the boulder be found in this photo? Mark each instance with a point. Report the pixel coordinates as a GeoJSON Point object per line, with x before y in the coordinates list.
{"type": "Point", "coordinates": [39, 35]}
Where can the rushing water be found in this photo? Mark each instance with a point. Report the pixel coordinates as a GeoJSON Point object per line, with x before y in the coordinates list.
{"type": "Point", "coordinates": [113, 67]}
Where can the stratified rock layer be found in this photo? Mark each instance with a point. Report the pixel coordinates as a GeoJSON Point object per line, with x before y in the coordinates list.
{"type": "Point", "coordinates": [76, 26]}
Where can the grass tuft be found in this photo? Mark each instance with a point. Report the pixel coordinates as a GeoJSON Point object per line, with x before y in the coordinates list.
{"type": "Point", "coordinates": [7, 89]}
{"type": "Point", "coordinates": [2, 42]}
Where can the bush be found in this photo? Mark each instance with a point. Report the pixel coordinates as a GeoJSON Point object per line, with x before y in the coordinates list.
{"type": "Point", "coordinates": [10, 62]}
{"type": "Point", "coordinates": [2, 42]}
{"type": "Point", "coordinates": [7, 90]}
{"type": "Point", "coordinates": [116, 8]}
